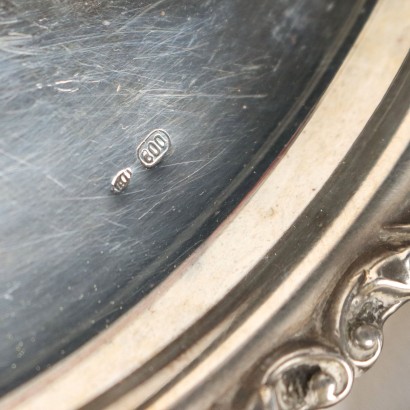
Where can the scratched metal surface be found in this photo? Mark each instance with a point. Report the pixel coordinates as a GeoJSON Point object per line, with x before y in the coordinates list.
{"type": "Point", "coordinates": [82, 83]}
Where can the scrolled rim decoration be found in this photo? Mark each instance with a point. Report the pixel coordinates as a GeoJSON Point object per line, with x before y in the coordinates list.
{"type": "Point", "coordinates": [317, 376]}
{"type": "Point", "coordinates": [307, 378]}
{"type": "Point", "coordinates": [373, 294]}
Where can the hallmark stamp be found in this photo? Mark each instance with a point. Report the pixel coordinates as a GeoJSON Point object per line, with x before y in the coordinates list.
{"type": "Point", "coordinates": [121, 180]}
{"type": "Point", "coordinates": [153, 148]}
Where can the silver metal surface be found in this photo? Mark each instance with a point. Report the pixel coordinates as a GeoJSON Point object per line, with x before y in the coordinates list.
{"type": "Point", "coordinates": [80, 83]}
{"type": "Point", "coordinates": [284, 304]}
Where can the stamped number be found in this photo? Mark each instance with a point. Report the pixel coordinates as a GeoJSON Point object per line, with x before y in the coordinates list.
{"type": "Point", "coordinates": [153, 148]}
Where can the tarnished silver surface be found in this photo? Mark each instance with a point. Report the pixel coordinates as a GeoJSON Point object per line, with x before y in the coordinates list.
{"type": "Point", "coordinates": [230, 80]}
{"type": "Point", "coordinates": [284, 305]}
{"type": "Point", "coordinates": [287, 335]}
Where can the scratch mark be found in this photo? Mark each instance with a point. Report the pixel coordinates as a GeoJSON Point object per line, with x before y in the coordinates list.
{"type": "Point", "coordinates": [182, 163]}
{"type": "Point", "coordinates": [178, 184]}
{"type": "Point", "coordinates": [141, 14]}
{"type": "Point", "coordinates": [67, 90]}
{"type": "Point", "coordinates": [115, 223]}
{"type": "Point", "coordinates": [66, 82]}
{"type": "Point", "coordinates": [58, 183]}
{"type": "Point", "coordinates": [40, 240]}
{"type": "Point", "coordinates": [153, 206]}
{"type": "Point", "coordinates": [14, 158]}
{"type": "Point", "coordinates": [8, 295]}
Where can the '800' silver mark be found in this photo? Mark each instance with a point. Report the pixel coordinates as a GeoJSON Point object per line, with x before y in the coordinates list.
{"type": "Point", "coordinates": [121, 180]}
{"type": "Point", "coordinates": [153, 148]}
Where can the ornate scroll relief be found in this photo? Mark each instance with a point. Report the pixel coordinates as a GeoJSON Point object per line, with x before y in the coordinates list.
{"type": "Point", "coordinates": [308, 378]}
{"type": "Point", "coordinates": [316, 377]}
{"type": "Point", "coordinates": [370, 297]}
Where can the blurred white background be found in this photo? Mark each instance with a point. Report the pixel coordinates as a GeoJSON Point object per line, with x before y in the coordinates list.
{"type": "Point", "coordinates": [386, 386]}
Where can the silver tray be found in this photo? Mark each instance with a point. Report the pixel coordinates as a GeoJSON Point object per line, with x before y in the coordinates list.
{"type": "Point", "coordinates": [274, 294]}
